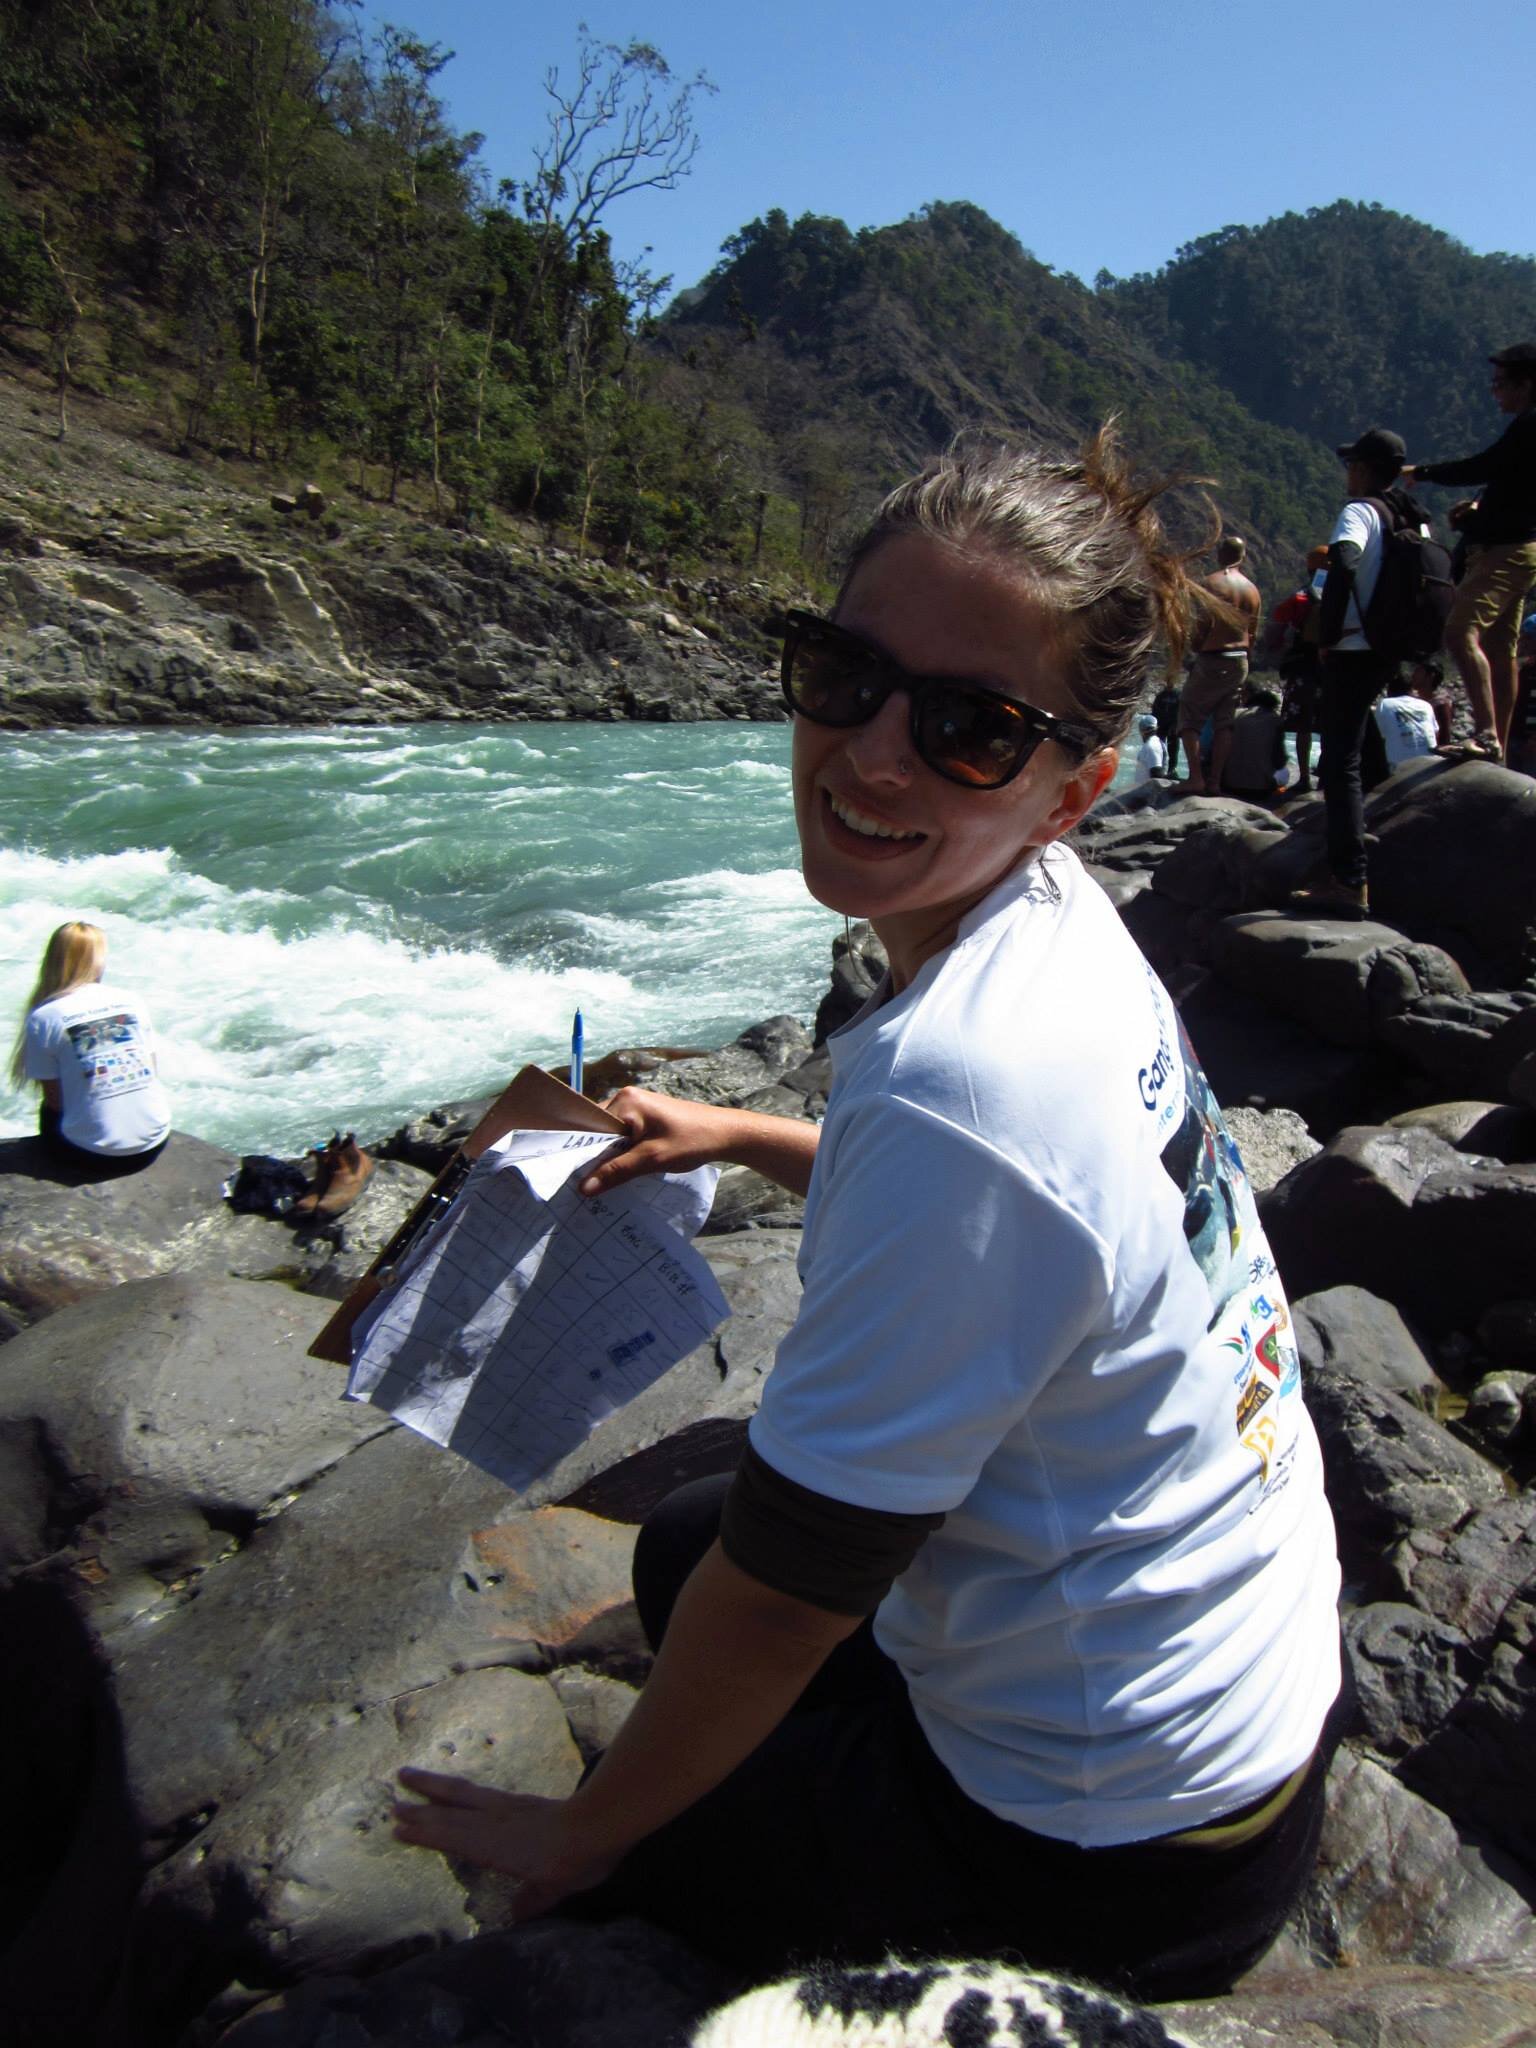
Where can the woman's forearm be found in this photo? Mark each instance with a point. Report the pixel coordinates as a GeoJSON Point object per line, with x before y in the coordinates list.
{"type": "Point", "coordinates": [735, 1659]}
{"type": "Point", "coordinates": [779, 1147]}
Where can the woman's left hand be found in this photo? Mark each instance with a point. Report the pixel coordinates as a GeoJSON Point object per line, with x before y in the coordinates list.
{"type": "Point", "coordinates": [516, 1832]}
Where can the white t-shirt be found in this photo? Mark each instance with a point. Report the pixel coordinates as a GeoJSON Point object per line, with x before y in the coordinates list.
{"type": "Point", "coordinates": [1151, 758]}
{"type": "Point", "coordinates": [1037, 1298]}
{"type": "Point", "coordinates": [1408, 728]}
{"type": "Point", "coordinates": [97, 1043]}
{"type": "Point", "coordinates": [1361, 523]}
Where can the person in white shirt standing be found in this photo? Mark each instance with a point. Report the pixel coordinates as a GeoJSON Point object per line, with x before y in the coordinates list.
{"type": "Point", "coordinates": [91, 1050]}
{"type": "Point", "coordinates": [1354, 674]}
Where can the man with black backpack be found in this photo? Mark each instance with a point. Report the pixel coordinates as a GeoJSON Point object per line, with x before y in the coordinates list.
{"type": "Point", "coordinates": [1384, 600]}
{"type": "Point", "coordinates": [1483, 630]}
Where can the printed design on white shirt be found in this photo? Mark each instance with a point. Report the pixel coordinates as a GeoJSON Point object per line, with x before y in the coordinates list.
{"type": "Point", "coordinates": [1249, 1317]}
{"type": "Point", "coordinates": [110, 1054]}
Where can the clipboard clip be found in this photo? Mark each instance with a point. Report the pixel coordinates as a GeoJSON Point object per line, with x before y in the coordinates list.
{"type": "Point", "coordinates": [435, 1207]}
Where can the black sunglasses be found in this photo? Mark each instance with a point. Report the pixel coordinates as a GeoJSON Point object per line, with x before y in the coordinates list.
{"type": "Point", "coordinates": [962, 731]}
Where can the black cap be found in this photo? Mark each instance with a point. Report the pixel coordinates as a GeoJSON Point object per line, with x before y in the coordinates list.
{"type": "Point", "coordinates": [1520, 355]}
{"type": "Point", "coordinates": [1378, 446]}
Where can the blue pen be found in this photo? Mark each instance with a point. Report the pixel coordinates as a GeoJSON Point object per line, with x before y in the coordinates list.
{"type": "Point", "coordinates": [576, 1050]}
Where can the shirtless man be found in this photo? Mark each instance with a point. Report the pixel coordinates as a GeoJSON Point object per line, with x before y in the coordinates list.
{"type": "Point", "coordinates": [1215, 681]}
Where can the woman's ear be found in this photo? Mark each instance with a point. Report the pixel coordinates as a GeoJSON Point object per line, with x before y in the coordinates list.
{"type": "Point", "coordinates": [1081, 791]}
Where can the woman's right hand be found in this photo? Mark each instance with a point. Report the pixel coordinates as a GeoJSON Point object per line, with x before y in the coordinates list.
{"type": "Point", "coordinates": [666, 1135]}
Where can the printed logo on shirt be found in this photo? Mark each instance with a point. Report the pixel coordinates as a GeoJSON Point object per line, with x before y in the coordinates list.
{"type": "Point", "coordinates": [1249, 1319]}
{"type": "Point", "coordinates": [110, 1054]}
{"type": "Point", "coordinates": [1161, 1077]}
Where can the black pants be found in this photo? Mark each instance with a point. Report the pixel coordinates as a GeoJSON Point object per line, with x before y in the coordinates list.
{"type": "Point", "coordinates": [1351, 684]}
{"type": "Point", "coordinates": [844, 1836]}
{"type": "Point", "coordinates": [96, 1165]}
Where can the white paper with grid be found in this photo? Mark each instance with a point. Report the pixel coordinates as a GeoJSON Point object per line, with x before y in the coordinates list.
{"type": "Point", "coordinates": [531, 1312]}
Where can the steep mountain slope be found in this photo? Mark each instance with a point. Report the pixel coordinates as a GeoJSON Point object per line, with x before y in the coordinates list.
{"type": "Point", "coordinates": [1348, 315]}
{"type": "Point", "coordinates": [858, 354]}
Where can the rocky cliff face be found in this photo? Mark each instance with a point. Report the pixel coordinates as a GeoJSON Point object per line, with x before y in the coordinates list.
{"type": "Point", "coordinates": [137, 588]}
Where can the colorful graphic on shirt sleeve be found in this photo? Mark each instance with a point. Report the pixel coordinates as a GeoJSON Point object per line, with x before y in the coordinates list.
{"type": "Point", "coordinates": [111, 1055]}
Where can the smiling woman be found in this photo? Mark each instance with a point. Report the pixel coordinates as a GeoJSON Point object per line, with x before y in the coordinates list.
{"type": "Point", "coordinates": [1014, 1631]}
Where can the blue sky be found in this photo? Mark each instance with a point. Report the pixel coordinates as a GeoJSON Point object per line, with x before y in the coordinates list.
{"type": "Point", "coordinates": [1101, 134]}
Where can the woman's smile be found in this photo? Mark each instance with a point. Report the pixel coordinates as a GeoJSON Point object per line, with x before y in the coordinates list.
{"type": "Point", "coordinates": [875, 838]}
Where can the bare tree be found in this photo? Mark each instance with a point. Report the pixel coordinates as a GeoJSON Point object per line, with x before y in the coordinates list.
{"type": "Point", "coordinates": [626, 124]}
{"type": "Point", "coordinates": [62, 313]}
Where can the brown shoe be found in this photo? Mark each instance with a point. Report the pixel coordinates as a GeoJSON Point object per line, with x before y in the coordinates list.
{"type": "Point", "coordinates": [327, 1158]}
{"type": "Point", "coordinates": [1331, 899]}
{"type": "Point", "coordinates": [350, 1174]}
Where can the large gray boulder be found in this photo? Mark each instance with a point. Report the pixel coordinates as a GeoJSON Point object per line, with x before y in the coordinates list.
{"type": "Point", "coordinates": [1262, 1061]}
{"type": "Point", "coordinates": [309, 1851]}
{"type": "Point", "coordinates": [1342, 982]}
{"type": "Point", "coordinates": [1400, 1212]}
{"type": "Point", "coordinates": [1212, 869]}
{"type": "Point", "coordinates": [1455, 860]}
{"type": "Point", "coordinates": [64, 1236]}
{"type": "Point", "coordinates": [1390, 1471]}
{"type": "Point", "coordinates": [1477, 1763]}
{"type": "Point", "coordinates": [1128, 835]}
{"type": "Point", "coordinates": [757, 1059]}
{"type": "Point", "coordinates": [1494, 1130]}
{"type": "Point", "coordinates": [1469, 1044]}
{"type": "Point", "coordinates": [146, 1432]}
{"type": "Point", "coordinates": [1466, 1576]}
{"type": "Point", "coordinates": [1409, 1670]}
{"type": "Point", "coordinates": [1395, 1884]}
{"type": "Point", "coordinates": [554, 1982]}
{"type": "Point", "coordinates": [1345, 1329]}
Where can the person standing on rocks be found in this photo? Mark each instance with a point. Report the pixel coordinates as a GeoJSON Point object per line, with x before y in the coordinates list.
{"type": "Point", "coordinates": [1015, 1629]}
{"type": "Point", "coordinates": [1482, 632]}
{"type": "Point", "coordinates": [1354, 674]}
{"type": "Point", "coordinates": [90, 1048]}
{"type": "Point", "coordinates": [1215, 683]}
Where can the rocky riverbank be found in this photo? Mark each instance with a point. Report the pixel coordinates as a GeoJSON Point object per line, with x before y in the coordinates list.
{"type": "Point", "coordinates": [231, 1607]}
{"type": "Point", "coordinates": [141, 588]}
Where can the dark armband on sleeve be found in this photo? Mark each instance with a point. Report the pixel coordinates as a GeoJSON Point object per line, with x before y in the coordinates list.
{"type": "Point", "coordinates": [814, 1548]}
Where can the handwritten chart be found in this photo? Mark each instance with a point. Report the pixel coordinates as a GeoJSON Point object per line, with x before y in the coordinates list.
{"type": "Point", "coordinates": [531, 1312]}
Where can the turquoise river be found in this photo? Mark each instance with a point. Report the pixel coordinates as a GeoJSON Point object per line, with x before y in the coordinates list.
{"type": "Point", "coordinates": [345, 927]}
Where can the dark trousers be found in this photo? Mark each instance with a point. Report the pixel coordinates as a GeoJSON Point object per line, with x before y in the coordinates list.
{"type": "Point", "coordinates": [1351, 684]}
{"type": "Point", "coordinates": [844, 1836]}
{"type": "Point", "coordinates": [97, 1165]}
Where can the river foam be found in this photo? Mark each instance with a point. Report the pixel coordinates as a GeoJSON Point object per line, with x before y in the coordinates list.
{"type": "Point", "coordinates": [346, 928]}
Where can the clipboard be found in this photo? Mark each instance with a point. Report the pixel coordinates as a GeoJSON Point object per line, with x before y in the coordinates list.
{"type": "Point", "coordinates": [532, 1100]}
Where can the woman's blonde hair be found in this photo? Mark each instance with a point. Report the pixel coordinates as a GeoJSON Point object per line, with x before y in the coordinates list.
{"type": "Point", "coordinates": [73, 957]}
{"type": "Point", "coordinates": [1086, 535]}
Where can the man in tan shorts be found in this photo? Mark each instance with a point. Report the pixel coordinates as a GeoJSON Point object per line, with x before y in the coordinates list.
{"type": "Point", "coordinates": [1483, 629]}
{"type": "Point", "coordinates": [1215, 681]}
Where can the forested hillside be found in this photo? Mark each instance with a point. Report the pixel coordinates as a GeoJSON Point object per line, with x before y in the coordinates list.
{"type": "Point", "coordinates": [254, 230]}
{"type": "Point", "coordinates": [858, 354]}
{"type": "Point", "coordinates": [262, 230]}
{"type": "Point", "coordinates": [1336, 319]}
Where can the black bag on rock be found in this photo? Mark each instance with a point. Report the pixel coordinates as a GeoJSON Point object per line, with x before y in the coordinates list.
{"type": "Point", "coordinates": [265, 1186]}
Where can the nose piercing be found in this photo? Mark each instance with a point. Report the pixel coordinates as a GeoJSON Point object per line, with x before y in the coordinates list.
{"type": "Point", "coordinates": [904, 766]}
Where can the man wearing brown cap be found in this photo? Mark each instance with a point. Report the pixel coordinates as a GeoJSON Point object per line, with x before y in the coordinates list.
{"type": "Point", "coordinates": [1483, 630]}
